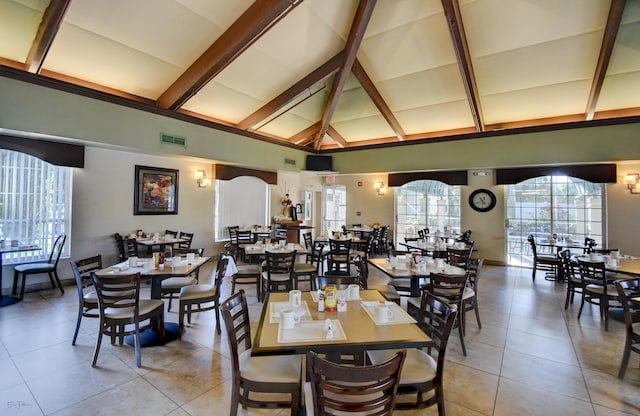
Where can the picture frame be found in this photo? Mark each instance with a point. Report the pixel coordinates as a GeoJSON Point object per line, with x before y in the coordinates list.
{"type": "Point", "coordinates": [155, 191]}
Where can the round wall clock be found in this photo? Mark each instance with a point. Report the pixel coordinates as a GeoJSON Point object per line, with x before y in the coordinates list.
{"type": "Point", "coordinates": [482, 200]}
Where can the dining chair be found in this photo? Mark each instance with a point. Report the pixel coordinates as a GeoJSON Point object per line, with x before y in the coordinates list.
{"type": "Point", "coordinates": [340, 281]}
{"type": "Point", "coordinates": [422, 376]}
{"type": "Point", "coordinates": [450, 289]}
{"type": "Point", "coordinates": [339, 258]}
{"type": "Point", "coordinates": [464, 237]}
{"type": "Point", "coordinates": [87, 297]}
{"type": "Point", "coordinates": [573, 279]}
{"type": "Point", "coordinates": [202, 297]}
{"type": "Point", "coordinates": [256, 380]}
{"type": "Point", "coordinates": [336, 389]}
{"type": "Point", "coordinates": [459, 256]}
{"type": "Point", "coordinates": [628, 289]}
{"type": "Point", "coordinates": [597, 290]}
{"type": "Point", "coordinates": [185, 236]}
{"type": "Point", "coordinates": [122, 256]}
{"type": "Point", "coordinates": [50, 267]}
{"type": "Point", "coordinates": [170, 233]}
{"type": "Point", "coordinates": [171, 287]}
{"type": "Point", "coordinates": [550, 263]}
{"type": "Point", "coordinates": [277, 272]}
{"type": "Point", "coordinates": [470, 294]}
{"type": "Point", "coordinates": [130, 247]}
{"type": "Point", "coordinates": [307, 271]}
{"type": "Point", "coordinates": [243, 237]}
{"type": "Point", "coordinates": [120, 305]}
{"type": "Point", "coordinates": [308, 241]}
{"type": "Point", "coordinates": [247, 274]}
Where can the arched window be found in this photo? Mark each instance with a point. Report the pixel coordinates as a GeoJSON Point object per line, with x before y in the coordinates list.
{"type": "Point", "coordinates": [35, 204]}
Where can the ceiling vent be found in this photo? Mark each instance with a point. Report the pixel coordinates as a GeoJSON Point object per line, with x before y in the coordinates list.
{"type": "Point", "coordinates": [178, 141]}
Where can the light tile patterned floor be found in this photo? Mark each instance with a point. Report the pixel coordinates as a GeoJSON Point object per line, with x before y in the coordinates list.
{"type": "Point", "coordinates": [531, 357]}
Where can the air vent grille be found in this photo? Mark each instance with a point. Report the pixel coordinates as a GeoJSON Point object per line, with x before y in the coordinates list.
{"type": "Point", "coordinates": [168, 139]}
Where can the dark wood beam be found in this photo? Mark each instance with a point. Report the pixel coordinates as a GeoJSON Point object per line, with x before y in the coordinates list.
{"type": "Point", "coordinates": [252, 24]}
{"type": "Point", "coordinates": [326, 69]}
{"type": "Point", "coordinates": [454, 21]}
{"type": "Point", "coordinates": [47, 31]}
{"type": "Point", "coordinates": [359, 26]}
{"type": "Point", "coordinates": [337, 137]}
{"type": "Point", "coordinates": [377, 99]}
{"type": "Point", "coordinates": [306, 136]}
{"type": "Point", "coordinates": [608, 40]}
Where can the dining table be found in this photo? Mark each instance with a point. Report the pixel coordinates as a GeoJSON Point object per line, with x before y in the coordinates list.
{"type": "Point", "coordinates": [559, 245]}
{"type": "Point", "coordinates": [161, 242]}
{"type": "Point", "coordinates": [10, 300]}
{"type": "Point", "coordinates": [352, 332]}
{"type": "Point", "coordinates": [624, 264]}
{"type": "Point", "coordinates": [406, 268]}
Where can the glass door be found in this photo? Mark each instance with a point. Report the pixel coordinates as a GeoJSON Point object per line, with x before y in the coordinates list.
{"type": "Point", "coordinates": [334, 212]}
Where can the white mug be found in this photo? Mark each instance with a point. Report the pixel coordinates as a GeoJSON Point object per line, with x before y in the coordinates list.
{"type": "Point", "coordinates": [295, 298]}
{"type": "Point", "coordinates": [382, 313]}
{"type": "Point", "coordinates": [614, 254]}
{"type": "Point", "coordinates": [150, 264]}
{"type": "Point", "coordinates": [593, 256]}
{"type": "Point", "coordinates": [353, 292]}
{"type": "Point", "coordinates": [133, 261]}
{"type": "Point", "coordinates": [288, 318]}
{"type": "Point", "coordinates": [191, 257]}
{"type": "Point", "coordinates": [440, 264]}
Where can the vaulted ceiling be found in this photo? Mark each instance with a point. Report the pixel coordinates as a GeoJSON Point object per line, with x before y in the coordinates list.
{"type": "Point", "coordinates": [328, 74]}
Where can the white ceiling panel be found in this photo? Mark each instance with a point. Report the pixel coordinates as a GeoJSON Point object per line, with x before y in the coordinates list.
{"type": "Point", "coordinates": [620, 91]}
{"type": "Point", "coordinates": [372, 127]}
{"type": "Point", "coordinates": [19, 21]}
{"type": "Point", "coordinates": [335, 14]}
{"type": "Point", "coordinates": [287, 125]}
{"type": "Point", "coordinates": [88, 56]}
{"type": "Point", "coordinates": [222, 13]}
{"type": "Point", "coordinates": [626, 52]}
{"type": "Point", "coordinates": [221, 102]}
{"type": "Point", "coordinates": [569, 98]}
{"type": "Point", "coordinates": [440, 117]}
{"type": "Point", "coordinates": [391, 14]}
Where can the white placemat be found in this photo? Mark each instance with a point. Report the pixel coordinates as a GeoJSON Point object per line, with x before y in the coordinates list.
{"type": "Point", "coordinates": [276, 307]}
{"type": "Point", "coordinates": [311, 331]}
{"type": "Point", "coordinates": [342, 294]}
{"type": "Point", "coordinates": [398, 315]}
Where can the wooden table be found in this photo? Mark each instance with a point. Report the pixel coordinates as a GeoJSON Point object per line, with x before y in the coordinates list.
{"type": "Point", "coordinates": [10, 300]}
{"type": "Point", "coordinates": [156, 275]}
{"type": "Point", "coordinates": [625, 264]}
{"type": "Point", "coordinates": [161, 242]}
{"type": "Point", "coordinates": [361, 332]}
{"type": "Point", "coordinates": [412, 272]}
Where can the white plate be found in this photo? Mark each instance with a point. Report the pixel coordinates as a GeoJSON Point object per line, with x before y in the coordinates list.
{"type": "Point", "coordinates": [276, 307]}
{"type": "Point", "coordinates": [306, 331]}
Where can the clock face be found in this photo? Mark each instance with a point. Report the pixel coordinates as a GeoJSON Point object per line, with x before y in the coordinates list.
{"type": "Point", "coordinates": [482, 200]}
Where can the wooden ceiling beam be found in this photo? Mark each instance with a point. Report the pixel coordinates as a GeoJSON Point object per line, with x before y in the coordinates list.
{"type": "Point", "coordinates": [337, 137]}
{"type": "Point", "coordinates": [306, 136]}
{"type": "Point", "coordinates": [608, 41]}
{"type": "Point", "coordinates": [377, 99]}
{"type": "Point", "coordinates": [47, 31]}
{"type": "Point", "coordinates": [248, 28]}
{"type": "Point", "coordinates": [356, 34]}
{"type": "Point", "coordinates": [320, 73]}
{"type": "Point", "coordinates": [461, 47]}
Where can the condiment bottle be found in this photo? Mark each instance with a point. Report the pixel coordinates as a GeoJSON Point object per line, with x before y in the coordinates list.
{"type": "Point", "coordinates": [321, 298]}
{"type": "Point", "coordinates": [331, 298]}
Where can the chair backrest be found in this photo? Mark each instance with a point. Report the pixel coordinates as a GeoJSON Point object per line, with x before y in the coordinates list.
{"type": "Point", "coordinates": [447, 287]}
{"type": "Point", "coordinates": [56, 250]}
{"type": "Point", "coordinates": [118, 292]}
{"type": "Point", "coordinates": [474, 267]}
{"type": "Point", "coordinates": [279, 263]}
{"type": "Point", "coordinates": [120, 246]}
{"type": "Point", "coordinates": [421, 234]}
{"type": "Point", "coordinates": [627, 289]}
{"type": "Point", "coordinates": [339, 247]}
{"type": "Point", "coordinates": [130, 247]}
{"type": "Point", "coordinates": [589, 243]}
{"type": "Point", "coordinates": [82, 272]}
{"type": "Point", "coordinates": [532, 243]}
{"type": "Point", "coordinates": [185, 236]}
{"type": "Point", "coordinates": [235, 314]}
{"type": "Point", "coordinates": [567, 264]}
{"type": "Point", "coordinates": [593, 273]}
{"type": "Point", "coordinates": [344, 389]}
{"type": "Point", "coordinates": [221, 271]}
{"type": "Point", "coordinates": [436, 318]}
{"type": "Point", "coordinates": [341, 281]}
{"type": "Point", "coordinates": [464, 237]}
{"type": "Point", "coordinates": [362, 268]}
{"type": "Point", "coordinates": [459, 256]}
{"type": "Point", "coordinates": [171, 233]}
{"type": "Point", "coordinates": [183, 251]}
{"type": "Point", "coordinates": [244, 237]}
{"type": "Point", "coordinates": [308, 241]}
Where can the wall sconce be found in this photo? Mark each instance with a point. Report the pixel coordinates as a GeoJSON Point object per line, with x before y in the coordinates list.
{"type": "Point", "coordinates": [632, 180]}
{"type": "Point", "coordinates": [201, 179]}
{"type": "Point", "coordinates": [380, 188]}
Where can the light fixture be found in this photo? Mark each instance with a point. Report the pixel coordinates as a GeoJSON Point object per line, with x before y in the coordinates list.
{"type": "Point", "coordinates": [380, 188]}
{"type": "Point", "coordinates": [201, 179]}
{"type": "Point", "coordinates": [632, 180]}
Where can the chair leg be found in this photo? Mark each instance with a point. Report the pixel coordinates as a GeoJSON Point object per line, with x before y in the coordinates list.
{"type": "Point", "coordinates": [98, 343]}
{"type": "Point", "coordinates": [75, 334]}
{"type": "Point", "coordinates": [581, 306]}
{"type": "Point", "coordinates": [569, 294]}
{"type": "Point", "coordinates": [55, 274]}
{"type": "Point", "coordinates": [136, 341]}
{"type": "Point", "coordinates": [625, 359]}
{"type": "Point", "coordinates": [477, 310]}
{"type": "Point", "coordinates": [14, 290]}
{"type": "Point", "coordinates": [217, 311]}
{"type": "Point", "coordinates": [533, 275]}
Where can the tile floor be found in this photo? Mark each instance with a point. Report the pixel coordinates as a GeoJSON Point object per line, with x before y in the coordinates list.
{"type": "Point", "coordinates": [530, 358]}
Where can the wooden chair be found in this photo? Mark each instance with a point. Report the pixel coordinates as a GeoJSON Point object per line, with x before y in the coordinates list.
{"type": "Point", "coordinates": [459, 257]}
{"type": "Point", "coordinates": [344, 389]}
{"type": "Point", "coordinates": [171, 233]}
{"type": "Point", "coordinates": [309, 268]}
{"type": "Point", "coordinates": [421, 379]}
{"type": "Point", "coordinates": [247, 274]}
{"type": "Point", "coordinates": [185, 236]}
{"type": "Point", "coordinates": [547, 262]}
{"type": "Point", "coordinates": [341, 281]}
{"type": "Point", "coordinates": [122, 256]}
{"type": "Point", "coordinates": [243, 237]}
{"type": "Point", "coordinates": [87, 297]}
{"type": "Point", "coordinates": [574, 282]}
{"type": "Point", "coordinates": [339, 257]}
{"type": "Point", "coordinates": [470, 294]}
{"type": "Point", "coordinates": [628, 289]}
{"type": "Point", "coordinates": [171, 287]}
{"type": "Point", "coordinates": [597, 290]}
{"type": "Point", "coordinates": [50, 267]}
{"type": "Point", "coordinates": [120, 305]}
{"type": "Point", "coordinates": [201, 298]}
{"type": "Point", "coordinates": [449, 289]}
{"type": "Point", "coordinates": [277, 272]}
{"type": "Point", "coordinates": [259, 376]}
{"type": "Point", "coordinates": [465, 237]}
{"type": "Point", "coordinates": [130, 247]}
{"type": "Point", "coordinates": [308, 241]}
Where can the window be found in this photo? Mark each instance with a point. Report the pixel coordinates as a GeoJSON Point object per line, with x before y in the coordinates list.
{"type": "Point", "coordinates": [569, 207]}
{"type": "Point", "coordinates": [426, 204]}
{"type": "Point", "coordinates": [335, 207]}
{"type": "Point", "coordinates": [241, 201]}
{"type": "Point", "coordinates": [35, 204]}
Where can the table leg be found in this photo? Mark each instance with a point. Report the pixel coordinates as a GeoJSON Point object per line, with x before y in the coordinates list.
{"type": "Point", "coordinates": [6, 300]}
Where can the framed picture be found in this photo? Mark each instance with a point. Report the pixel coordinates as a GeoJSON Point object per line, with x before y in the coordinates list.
{"type": "Point", "coordinates": [156, 191]}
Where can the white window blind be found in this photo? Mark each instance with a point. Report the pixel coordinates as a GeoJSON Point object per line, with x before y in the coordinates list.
{"type": "Point", "coordinates": [241, 201]}
{"type": "Point", "coordinates": [35, 204]}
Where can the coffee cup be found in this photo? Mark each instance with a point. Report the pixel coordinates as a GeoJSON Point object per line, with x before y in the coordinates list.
{"type": "Point", "coordinates": [288, 318]}
{"type": "Point", "coordinates": [614, 254]}
{"type": "Point", "coordinates": [440, 264]}
{"type": "Point", "coordinates": [593, 256]}
{"type": "Point", "coordinates": [133, 262]}
{"type": "Point", "coordinates": [295, 298]}
{"type": "Point", "coordinates": [353, 292]}
{"type": "Point", "coordinates": [191, 257]}
{"type": "Point", "coordinates": [382, 313]}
